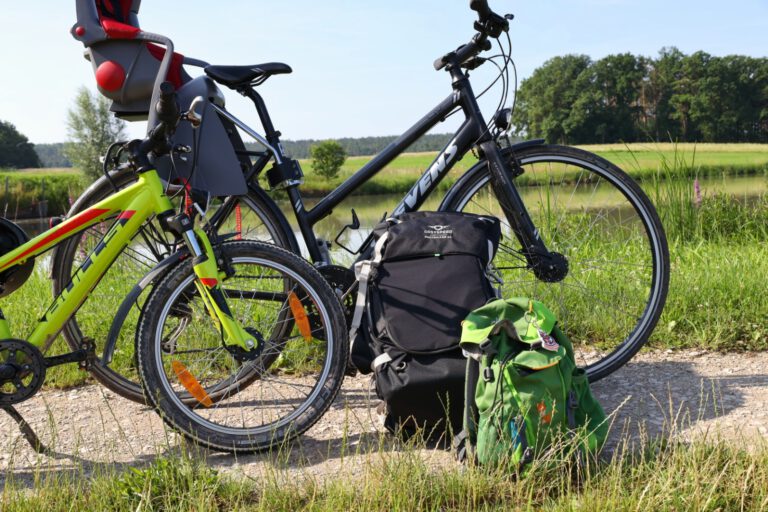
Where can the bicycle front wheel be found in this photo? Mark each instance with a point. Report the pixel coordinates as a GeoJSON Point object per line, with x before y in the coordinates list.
{"type": "Point", "coordinates": [250, 217]}
{"type": "Point", "coordinates": [220, 397]}
{"type": "Point", "coordinates": [611, 241]}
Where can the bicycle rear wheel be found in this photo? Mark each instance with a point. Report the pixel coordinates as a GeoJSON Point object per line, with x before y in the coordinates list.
{"type": "Point", "coordinates": [602, 223]}
{"type": "Point", "coordinates": [225, 400]}
{"type": "Point", "coordinates": [251, 217]}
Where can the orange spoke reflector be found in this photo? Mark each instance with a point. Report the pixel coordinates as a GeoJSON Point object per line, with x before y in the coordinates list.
{"type": "Point", "coordinates": [300, 314]}
{"type": "Point", "coordinates": [191, 384]}
{"type": "Point", "coordinates": [238, 222]}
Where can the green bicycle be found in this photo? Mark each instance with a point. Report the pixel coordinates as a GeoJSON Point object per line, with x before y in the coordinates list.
{"type": "Point", "coordinates": [241, 345]}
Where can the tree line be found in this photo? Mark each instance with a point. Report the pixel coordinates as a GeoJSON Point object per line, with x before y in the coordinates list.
{"type": "Point", "coordinates": [628, 98]}
{"type": "Point", "coordinates": [364, 146]}
{"type": "Point", "coordinates": [53, 155]}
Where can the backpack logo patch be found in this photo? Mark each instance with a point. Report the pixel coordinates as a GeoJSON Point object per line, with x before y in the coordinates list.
{"type": "Point", "coordinates": [548, 342]}
{"type": "Point", "coordinates": [438, 232]}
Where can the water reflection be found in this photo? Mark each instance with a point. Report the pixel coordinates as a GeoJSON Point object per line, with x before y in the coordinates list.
{"type": "Point", "coordinates": [372, 209]}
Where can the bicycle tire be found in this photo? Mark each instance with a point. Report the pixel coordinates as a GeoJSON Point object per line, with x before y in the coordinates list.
{"type": "Point", "coordinates": [473, 193]}
{"type": "Point", "coordinates": [212, 425]}
{"type": "Point", "coordinates": [64, 263]}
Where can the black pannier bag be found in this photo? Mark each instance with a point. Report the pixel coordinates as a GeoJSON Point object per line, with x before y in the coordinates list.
{"type": "Point", "coordinates": [428, 271]}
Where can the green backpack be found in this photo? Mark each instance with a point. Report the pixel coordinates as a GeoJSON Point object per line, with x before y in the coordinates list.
{"type": "Point", "coordinates": [524, 391]}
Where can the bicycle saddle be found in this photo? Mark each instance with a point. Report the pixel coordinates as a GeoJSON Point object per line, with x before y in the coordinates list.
{"type": "Point", "coordinates": [235, 76]}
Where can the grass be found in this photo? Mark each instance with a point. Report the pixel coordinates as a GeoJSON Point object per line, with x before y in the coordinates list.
{"type": "Point", "coordinates": [716, 299]}
{"type": "Point", "coordinates": [21, 191]}
{"type": "Point", "coordinates": [659, 475]}
{"type": "Point", "coordinates": [641, 161]}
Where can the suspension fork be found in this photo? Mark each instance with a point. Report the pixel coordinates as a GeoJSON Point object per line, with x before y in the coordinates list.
{"type": "Point", "coordinates": [546, 265]}
{"type": "Point", "coordinates": [208, 282]}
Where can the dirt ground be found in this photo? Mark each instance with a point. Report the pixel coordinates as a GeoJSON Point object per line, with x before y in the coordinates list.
{"type": "Point", "coordinates": [689, 393]}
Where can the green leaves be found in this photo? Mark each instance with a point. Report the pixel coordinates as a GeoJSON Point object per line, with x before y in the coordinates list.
{"type": "Point", "coordinates": [627, 98]}
{"type": "Point", "coordinates": [327, 158]}
{"type": "Point", "coordinates": [15, 150]}
{"type": "Point", "coordinates": [91, 128]}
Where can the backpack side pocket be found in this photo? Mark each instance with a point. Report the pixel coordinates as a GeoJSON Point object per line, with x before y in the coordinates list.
{"type": "Point", "coordinates": [589, 414]}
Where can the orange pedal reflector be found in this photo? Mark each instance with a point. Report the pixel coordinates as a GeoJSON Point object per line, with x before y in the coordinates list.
{"type": "Point", "coordinates": [191, 384]}
{"type": "Point", "coordinates": [300, 315]}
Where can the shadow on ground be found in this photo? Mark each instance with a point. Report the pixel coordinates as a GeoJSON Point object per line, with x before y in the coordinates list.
{"type": "Point", "coordinates": [648, 398]}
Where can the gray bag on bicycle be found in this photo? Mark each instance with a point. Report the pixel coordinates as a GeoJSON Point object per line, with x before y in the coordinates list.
{"type": "Point", "coordinates": [126, 66]}
{"type": "Point", "coordinates": [429, 269]}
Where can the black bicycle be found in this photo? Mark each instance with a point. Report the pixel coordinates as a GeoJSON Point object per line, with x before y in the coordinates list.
{"type": "Point", "coordinates": [579, 234]}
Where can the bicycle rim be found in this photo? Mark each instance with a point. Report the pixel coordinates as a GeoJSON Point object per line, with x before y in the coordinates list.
{"type": "Point", "coordinates": [252, 398]}
{"type": "Point", "coordinates": [607, 230]}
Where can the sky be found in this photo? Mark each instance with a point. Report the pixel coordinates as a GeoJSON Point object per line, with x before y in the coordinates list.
{"type": "Point", "coordinates": [360, 68]}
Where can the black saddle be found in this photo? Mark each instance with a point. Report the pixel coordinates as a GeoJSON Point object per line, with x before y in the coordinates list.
{"type": "Point", "coordinates": [238, 76]}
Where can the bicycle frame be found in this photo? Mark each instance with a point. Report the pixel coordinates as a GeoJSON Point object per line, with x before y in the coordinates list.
{"type": "Point", "coordinates": [473, 132]}
{"type": "Point", "coordinates": [132, 206]}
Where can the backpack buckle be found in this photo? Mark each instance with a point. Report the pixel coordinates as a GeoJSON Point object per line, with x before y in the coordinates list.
{"type": "Point", "coordinates": [488, 374]}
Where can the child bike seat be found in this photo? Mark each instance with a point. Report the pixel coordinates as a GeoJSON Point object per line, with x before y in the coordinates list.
{"type": "Point", "coordinates": [125, 63]}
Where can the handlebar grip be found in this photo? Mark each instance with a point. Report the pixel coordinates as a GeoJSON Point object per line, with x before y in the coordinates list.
{"type": "Point", "coordinates": [462, 54]}
{"type": "Point", "coordinates": [167, 106]}
{"type": "Point", "coordinates": [441, 62]}
{"type": "Point", "coordinates": [481, 6]}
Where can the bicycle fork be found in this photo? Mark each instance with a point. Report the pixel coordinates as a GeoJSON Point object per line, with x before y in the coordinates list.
{"type": "Point", "coordinates": [208, 283]}
{"type": "Point", "coordinates": [547, 266]}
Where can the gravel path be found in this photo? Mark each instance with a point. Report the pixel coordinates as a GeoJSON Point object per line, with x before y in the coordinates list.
{"type": "Point", "coordinates": [691, 392]}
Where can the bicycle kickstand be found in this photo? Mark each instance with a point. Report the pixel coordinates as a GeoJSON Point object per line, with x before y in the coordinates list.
{"type": "Point", "coordinates": [27, 431]}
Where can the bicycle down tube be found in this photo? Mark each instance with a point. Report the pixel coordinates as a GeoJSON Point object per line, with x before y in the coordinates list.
{"type": "Point", "coordinates": [131, 206]}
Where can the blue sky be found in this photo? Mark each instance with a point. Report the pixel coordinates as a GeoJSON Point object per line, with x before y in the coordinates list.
{"type": "Point", "coordinates": [360, 68]}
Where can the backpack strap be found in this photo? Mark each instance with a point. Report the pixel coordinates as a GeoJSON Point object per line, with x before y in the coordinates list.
{"type": "Point", "coordinates": [363, 271]}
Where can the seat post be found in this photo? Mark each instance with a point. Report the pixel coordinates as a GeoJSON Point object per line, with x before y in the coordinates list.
{"type": "Point", "coordinates": [273, 136]}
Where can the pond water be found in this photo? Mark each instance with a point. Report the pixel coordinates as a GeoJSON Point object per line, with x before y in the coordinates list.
{"type": "Point", "coordinates": [371, 209]}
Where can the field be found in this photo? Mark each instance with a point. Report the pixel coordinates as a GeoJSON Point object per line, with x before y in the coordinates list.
{"type": "Point", "coordinates": [641, 161]}
{"type": "Point", "coordinates": [717, 302]}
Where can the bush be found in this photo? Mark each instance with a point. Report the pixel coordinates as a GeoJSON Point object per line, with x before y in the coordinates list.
{"type": "Point", "coordinates": [327, 158]}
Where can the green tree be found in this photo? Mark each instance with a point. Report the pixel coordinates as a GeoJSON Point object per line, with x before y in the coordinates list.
{"type": "Point", "coordinates": [663, 74]}
{"type": "Point", "coordinates": [16, 151]}
{"type": "Point", "coordinates": [327, 158]}
{"type": "Point", "coordinates": [546, 99]}
{"type": "Point", "coordinates": [608, 107]}
{"type": "Point", "coordinates": [92, 128]}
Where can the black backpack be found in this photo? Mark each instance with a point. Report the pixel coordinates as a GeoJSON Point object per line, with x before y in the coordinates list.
{"type": "Point", "coordinates": [428, 271]}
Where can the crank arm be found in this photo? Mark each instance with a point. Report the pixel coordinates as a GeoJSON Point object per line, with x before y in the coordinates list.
{"type": "Point", "coordinates": [84, 355]}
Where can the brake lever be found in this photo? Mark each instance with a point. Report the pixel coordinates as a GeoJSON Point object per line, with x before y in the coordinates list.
{"type": "Point", "coordinates": [494, 25]}
{"type": "Point", "coordinates": [192, 115]}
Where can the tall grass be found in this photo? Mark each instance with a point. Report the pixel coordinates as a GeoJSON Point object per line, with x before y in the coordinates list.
{"type": "Point", "coordinates": [659, 475]}
{"type": "Point", "coordinates": [25, 189]}
{"type": "Point", "coordinates": [688, 216]}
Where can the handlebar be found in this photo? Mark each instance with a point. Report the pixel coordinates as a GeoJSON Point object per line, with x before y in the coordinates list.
{"type": "Point", "coordinates": [465, 52]}
{"type": "Point", "coordinates": [488, 24]}
{"type": "Point", "coordinates": [157, 140]}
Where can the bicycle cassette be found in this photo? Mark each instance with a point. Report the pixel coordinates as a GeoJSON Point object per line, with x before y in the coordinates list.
{"type": "Point", "coordinates": [22, 371]}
